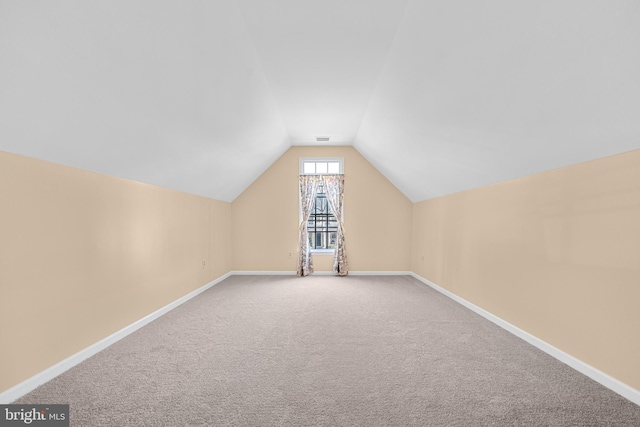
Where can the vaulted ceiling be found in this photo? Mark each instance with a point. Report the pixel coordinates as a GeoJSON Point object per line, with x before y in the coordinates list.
{"type": "Point", "coordinates": [203, 96]}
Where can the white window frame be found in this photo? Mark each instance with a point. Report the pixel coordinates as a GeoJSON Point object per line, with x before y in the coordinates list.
{"type": "Point", "coordinates": [303, 160]}
{"type": "Point", "coordinates": [339, 160]}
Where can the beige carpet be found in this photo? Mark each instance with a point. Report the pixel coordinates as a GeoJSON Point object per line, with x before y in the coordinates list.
{"type": "Point", "coordinates": [328, 351]}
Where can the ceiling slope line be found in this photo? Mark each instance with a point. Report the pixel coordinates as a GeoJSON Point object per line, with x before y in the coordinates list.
{"type": "Point", "coordinates": [262, 70]}
{"type": "Point", "coordinates": [383, 67]}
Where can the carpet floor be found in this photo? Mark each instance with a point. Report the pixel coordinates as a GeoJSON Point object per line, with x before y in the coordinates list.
{"type": "Point", "coordinates": [328, 351]}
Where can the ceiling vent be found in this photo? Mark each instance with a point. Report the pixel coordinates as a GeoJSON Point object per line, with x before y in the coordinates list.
{"type": "Point", "coordinates": [322, 139]}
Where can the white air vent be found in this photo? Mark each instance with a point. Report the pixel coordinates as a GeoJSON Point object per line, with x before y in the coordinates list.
{"type": "Point", "coordinates": [322, 139]}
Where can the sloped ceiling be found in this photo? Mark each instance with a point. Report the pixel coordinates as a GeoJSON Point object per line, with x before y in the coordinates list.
{"type": "Point", "coordinates": [202, 96]}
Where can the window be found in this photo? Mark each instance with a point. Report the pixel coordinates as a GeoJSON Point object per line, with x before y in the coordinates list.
{"type": "Point", "coordinates": [322, 226]}
{"type": "Point", "coordinates": [313, 166]}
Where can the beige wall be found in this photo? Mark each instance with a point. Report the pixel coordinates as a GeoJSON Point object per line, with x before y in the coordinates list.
{"type": "Point", "coordinates": [556, 254]}
{"type": "Point", "coordinates": [83, 255]}
{"type": "Point", "coordinates": [377, 217]}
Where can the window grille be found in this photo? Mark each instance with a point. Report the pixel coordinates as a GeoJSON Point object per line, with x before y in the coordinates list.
{"type": "Point", "coordinates": [322, 225]}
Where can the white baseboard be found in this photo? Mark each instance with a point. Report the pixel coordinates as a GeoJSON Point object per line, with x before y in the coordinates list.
{"type": "Point", "coordinates": [262, 273]}
{"type": "Point", "coordinates": [48, 374]}
{"type": "Point", "coordinates": [30, 384]}
{"type": "Point", "coordinates": [380, 273]}
{"type": "Point", "coordinates": [318, 273]}
{"type": "Point", "coordinates": [608, 381]}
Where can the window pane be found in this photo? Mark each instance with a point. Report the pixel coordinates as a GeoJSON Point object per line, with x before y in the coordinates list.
{"type": "Point", "coordinates": [334, 167]}
{"type": "Point", "coordinates": [332, 243]}
{"type": "Point", "coordinates": [321, 167]}
{"type": "Point", "coordinates": [309, 167]}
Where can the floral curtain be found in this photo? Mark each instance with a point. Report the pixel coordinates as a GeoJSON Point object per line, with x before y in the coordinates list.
{"type": "Point", "coordinates": [334, 188]}
{"type": "Point", "coordinates": [308, 188]}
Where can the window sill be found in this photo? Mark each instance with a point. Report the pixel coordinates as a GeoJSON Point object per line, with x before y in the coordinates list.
{"type": "Point", "coordinates": [322, 251]}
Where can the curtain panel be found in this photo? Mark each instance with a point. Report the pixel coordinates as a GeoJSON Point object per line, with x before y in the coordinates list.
{"type": "Point", "coordinates": [308, 188]}
{"type": "Point", "coordinates": [334, 188]}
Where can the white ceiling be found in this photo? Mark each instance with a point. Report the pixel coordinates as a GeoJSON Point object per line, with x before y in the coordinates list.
{"type": "Point", "coordinates": [202, 96]}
